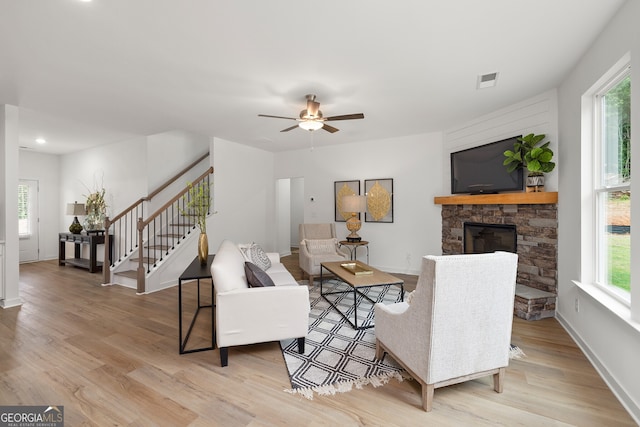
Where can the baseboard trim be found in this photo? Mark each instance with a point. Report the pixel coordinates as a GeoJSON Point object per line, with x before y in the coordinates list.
{"type": "Point", "coordinates": [8, 303]}
{"type": "Point", "coordinates": [618, 391]}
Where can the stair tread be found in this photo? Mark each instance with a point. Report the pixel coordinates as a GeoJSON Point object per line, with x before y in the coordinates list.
{"type": "Point", "coordinates": [146, 260]}
{"type": "Point", "coordinates": [132, 274]}
{"type": "Point", "coordinates": [163, 247]}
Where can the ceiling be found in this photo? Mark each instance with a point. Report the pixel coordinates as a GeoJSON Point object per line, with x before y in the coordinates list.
{"type": "Point", "coordinates": [93, 73]}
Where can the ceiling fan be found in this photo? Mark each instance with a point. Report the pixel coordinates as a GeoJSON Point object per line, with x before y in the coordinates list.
{"type": "Point", "coordinates": [311, 118]}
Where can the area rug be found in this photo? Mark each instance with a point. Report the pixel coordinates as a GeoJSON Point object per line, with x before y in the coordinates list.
{"type": "Point", "coordinates": [338, 358]}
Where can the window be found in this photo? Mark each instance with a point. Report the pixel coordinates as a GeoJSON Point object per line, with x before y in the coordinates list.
{"type": "Point", "coordinates": [24, 210]}
{"type": "Point", "coordinates": [612, 184]}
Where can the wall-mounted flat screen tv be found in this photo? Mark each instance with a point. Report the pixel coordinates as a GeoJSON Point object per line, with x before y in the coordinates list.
{"type": "Point", "coordinates": [479, 170]}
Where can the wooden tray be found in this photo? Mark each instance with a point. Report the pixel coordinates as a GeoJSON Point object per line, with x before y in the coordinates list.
{"type": "Point", "coordinates": [356, 269]}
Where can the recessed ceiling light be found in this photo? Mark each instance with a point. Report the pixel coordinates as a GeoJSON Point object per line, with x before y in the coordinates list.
{"type": "Point", "coordinates": [41, 141]}
{"type": "Point", "coordinates": [487, 80]}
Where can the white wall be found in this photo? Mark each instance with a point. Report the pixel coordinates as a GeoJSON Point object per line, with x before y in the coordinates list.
{"type": "Point", "coordinates": [611, 341]}
{"type": "Point", "coordinates": [244, 196]}
{"type": "Point", "coordinates": [168, 153]}
{"type": "Point", "coordinates": [45, 168]}
{"type": "Point", "coordinates": [9, 142]}
{"type": "Point", "coordinates": [119, 168]}
{"type": "Point", "coordinates": [536, 115]}
{"type": "Point", "coordinates": [414, 163]}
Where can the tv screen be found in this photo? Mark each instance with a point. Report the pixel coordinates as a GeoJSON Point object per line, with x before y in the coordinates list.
{"type": "Point", "coordinates": [479, 170]}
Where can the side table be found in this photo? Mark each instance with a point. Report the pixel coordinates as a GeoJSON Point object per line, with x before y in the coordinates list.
{"type": "Point", "coordinates": [353, 248]}
{"type": "Point", "coordinates": [196, 271]}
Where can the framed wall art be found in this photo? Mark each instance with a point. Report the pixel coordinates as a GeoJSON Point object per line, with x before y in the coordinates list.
{"type": "Point", "coordinates": [379, 194]}
{"type": "Point", "coordinates": [341, 189]}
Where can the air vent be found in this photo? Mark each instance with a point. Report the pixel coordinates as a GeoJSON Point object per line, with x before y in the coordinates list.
{"type": "Point", "coordinates": [487, 80]}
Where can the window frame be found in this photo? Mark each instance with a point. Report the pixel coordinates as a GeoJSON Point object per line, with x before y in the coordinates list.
{"type": "Point", "coordinates": [600, 189]}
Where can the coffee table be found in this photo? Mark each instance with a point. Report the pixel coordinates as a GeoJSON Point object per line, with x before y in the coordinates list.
{"type": "Point", "coordinates": [357, 282]}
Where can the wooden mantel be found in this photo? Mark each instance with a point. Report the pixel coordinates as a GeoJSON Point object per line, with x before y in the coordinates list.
{"type": "Point", "coordinates": [540, 198]}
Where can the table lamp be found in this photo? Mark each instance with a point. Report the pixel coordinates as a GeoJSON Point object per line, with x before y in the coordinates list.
{"type": "Point", "coordinates": [354, 205]}
{"type": "Point", "coordinates": [75, 209]}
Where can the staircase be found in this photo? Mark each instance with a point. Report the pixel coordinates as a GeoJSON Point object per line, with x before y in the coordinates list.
{"type": "Point", "coordinates": [142, 247]}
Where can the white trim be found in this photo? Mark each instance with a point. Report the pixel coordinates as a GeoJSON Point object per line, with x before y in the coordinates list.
{"type": "Point", "coordinates": [621, 394]}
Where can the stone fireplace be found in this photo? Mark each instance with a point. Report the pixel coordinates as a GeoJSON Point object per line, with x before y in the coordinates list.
{"type": "Point", "coordinates": [533, 219]}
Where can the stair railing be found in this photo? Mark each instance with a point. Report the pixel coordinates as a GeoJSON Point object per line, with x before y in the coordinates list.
{"type": "Point", "coordinates": [123, 227]}
{"type": "Point", "coordinates": [165, 229]}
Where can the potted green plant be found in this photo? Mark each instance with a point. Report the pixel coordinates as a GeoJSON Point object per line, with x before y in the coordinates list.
{"type": "Point", "coordinates": [197, 204]}
{"type": "Point", "coordinates": [536, 159]}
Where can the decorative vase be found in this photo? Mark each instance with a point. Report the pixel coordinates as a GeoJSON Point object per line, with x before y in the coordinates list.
{"type": "Point", "coordinates": [94, 221]}
{"type": "Point", "coordinates": [203, 248]}
{"type": "Point", "coordinates": [535, 183]}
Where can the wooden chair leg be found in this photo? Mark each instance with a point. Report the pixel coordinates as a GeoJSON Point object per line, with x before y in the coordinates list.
{"type": "Point", "coordinates": [427, 396]}
{"type": "Point", "coordinates": [379, 350]}
{"type": "Point", "coordinates": [498, 380]}
{"type": "Point", "coordinates": [301, 345]}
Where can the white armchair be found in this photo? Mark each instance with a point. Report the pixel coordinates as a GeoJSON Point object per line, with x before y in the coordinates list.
{"type": "Point", "coordinates": [457, 325]}
{"type": "Point", "coordinates": [318, 244]}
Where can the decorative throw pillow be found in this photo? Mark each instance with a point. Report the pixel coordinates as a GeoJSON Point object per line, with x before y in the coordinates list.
{"type": "Point", "coordinates": [321, 246]}
{"type": "Point", "coordinates": [256, 255]}
{"type": "Point", "coordinates": [256, 278]}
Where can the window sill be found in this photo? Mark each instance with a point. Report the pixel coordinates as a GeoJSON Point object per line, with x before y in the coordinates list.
{"type": "Point", "coordinates": [620, 309]}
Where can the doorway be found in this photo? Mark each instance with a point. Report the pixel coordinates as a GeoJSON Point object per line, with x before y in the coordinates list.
{"type": "Point", "coordinates": [289, 212]}
{"type": "Point", "coordinates": [28, 221]}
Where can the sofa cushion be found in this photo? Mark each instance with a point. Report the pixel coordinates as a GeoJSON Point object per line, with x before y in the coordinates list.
{"type": "Point", "coordinates": [256, 277]}
{"type": "Point", "coordinates": [255, 254]}
{"type": "Point", "coordinates": [321, 246]}
{"type": "Point", "coordinates": [227, 268]}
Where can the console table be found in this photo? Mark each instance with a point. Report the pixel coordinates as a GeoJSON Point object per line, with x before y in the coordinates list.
{"type": "Point", "coordinates": [90, 238]}
{"type": "Point", "coordinates": [196, 271]}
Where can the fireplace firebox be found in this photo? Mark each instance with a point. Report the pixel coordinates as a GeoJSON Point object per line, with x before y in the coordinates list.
{"type": "Point", "coordinates": [485, 238]}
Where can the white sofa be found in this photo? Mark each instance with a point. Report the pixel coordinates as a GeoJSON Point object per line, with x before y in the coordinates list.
{"type": "Point", "coordinates": [245, 315]}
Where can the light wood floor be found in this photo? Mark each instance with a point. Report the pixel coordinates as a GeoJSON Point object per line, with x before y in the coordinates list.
{"type": "Point", "coordinates": [111, 358]}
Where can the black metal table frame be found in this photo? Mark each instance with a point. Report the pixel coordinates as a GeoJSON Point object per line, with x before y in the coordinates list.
{"type": "Point", "coordinates": [196, 272]}
{"type": "Point", "coordinates": [355, 290]}
{"type": "Point", "coordinates": [353, 250]}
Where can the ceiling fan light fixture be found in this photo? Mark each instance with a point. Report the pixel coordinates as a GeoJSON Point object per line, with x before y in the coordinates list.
{"type": "Point", "coordinates": [310, 125]}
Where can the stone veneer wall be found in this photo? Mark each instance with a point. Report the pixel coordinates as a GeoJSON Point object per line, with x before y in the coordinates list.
{"type": "Point", "coordinates": [536, 228]}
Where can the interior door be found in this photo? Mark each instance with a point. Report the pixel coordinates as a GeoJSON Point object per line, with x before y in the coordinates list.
{"type": "Point", "coordinates": [28, 230]}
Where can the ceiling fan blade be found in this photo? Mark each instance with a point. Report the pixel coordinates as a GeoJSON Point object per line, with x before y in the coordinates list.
{"type": "Point", "coordinates": [288, 129]}
{"type": "Point", "coordinates": [277, 117]}
{"type": "Point", "coordinates": [346, 117]}
{"type": "Point", "coordinates": [330, 129]}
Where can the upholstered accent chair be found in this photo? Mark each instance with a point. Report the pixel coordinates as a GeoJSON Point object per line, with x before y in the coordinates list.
{"type": "Point", "coordinates": [457, 323]}
{"type": "Point", "coordinates": [318, 244]}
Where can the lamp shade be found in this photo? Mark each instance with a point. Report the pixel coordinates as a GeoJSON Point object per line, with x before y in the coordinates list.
{"type": "Point", "coordinates": [76, 208]}
{"type": "Point", "coordinates": [354, 203]}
